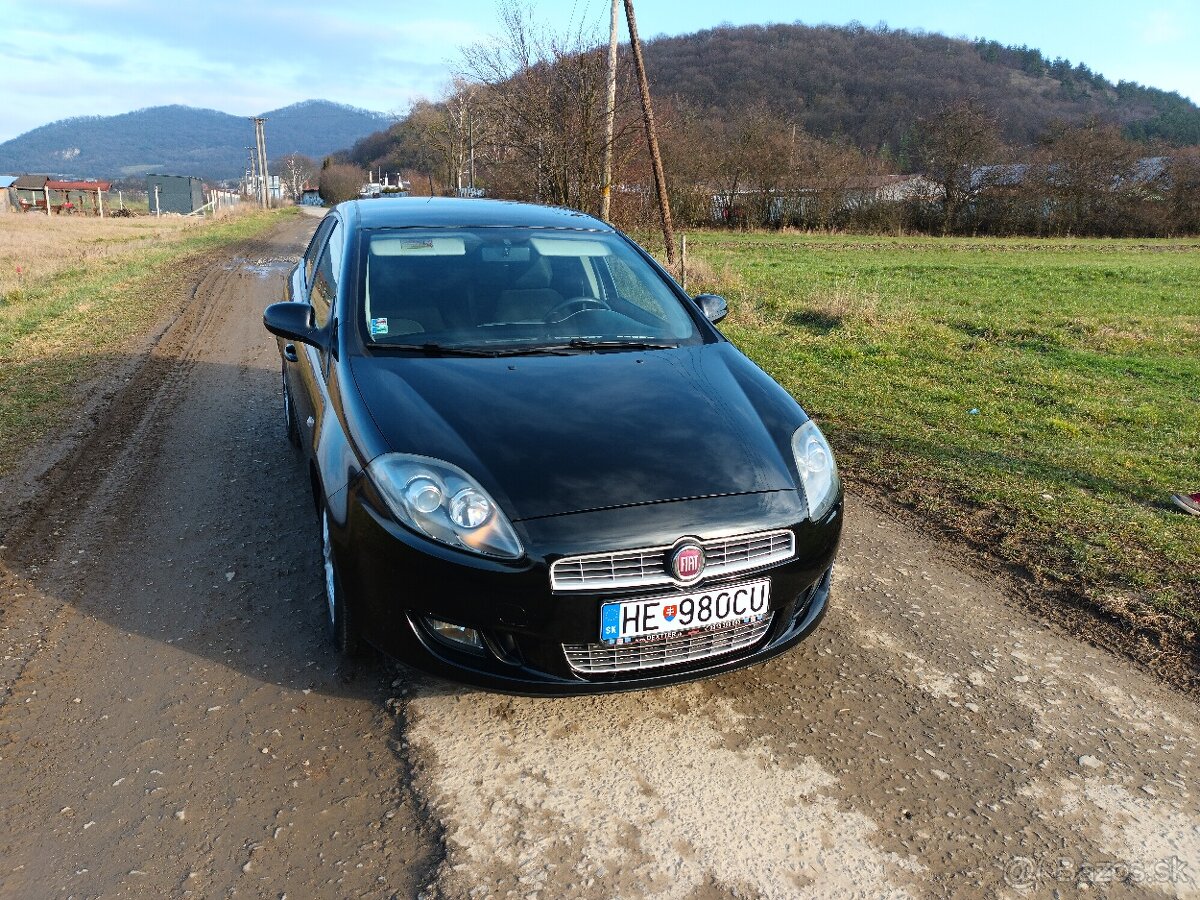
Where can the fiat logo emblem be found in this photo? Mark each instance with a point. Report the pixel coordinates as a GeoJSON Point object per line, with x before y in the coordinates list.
{"type": "Point", "coordinates": [686, 563]}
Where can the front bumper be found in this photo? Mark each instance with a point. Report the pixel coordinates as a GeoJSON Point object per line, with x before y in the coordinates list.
{"type": "Point", "coordinates": [394, 578]}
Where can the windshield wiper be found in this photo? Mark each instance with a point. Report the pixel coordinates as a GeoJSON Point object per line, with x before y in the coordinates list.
{"type": "Point", "coordinates": [591, 344]}
{"type": "Point", "coordinates": [432, 349]}
{"type": "Point", "coordinates": [576, 345]}
{"type": "Point", "coordinates": [443, 349]}
{"type": "Point", "coordinates": [572, 346]}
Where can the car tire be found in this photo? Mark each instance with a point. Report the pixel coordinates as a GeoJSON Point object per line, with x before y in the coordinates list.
{"type": "Point", "coordinates": [289, 413]}
{"type": "Point", "coordinates": [339, 619]}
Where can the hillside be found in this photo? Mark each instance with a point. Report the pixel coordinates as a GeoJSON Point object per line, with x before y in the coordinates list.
{"type": "Point", "coordinates": [181, 140]}
{"type": "Point", "coordinates": [871, 85]}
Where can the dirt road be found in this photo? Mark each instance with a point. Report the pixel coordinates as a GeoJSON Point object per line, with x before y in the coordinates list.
{"type": "Point", "coordinates": [172, 723]}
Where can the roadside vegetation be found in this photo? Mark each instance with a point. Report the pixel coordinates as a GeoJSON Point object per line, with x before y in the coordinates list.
{"type": "Point", "coordinates": [822, 128]}
{"type": "Point", "coordinates": [76, 292]}
{"type": "Point", "coordinates": [1037, 398]}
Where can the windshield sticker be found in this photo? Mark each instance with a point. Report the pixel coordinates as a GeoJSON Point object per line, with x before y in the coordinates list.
{"type": "Point", "coordinates": [378, 326]}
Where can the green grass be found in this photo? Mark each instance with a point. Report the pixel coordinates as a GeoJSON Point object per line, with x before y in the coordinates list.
{"type": "Point", "coordinates": [1041, 398]}
{"type": "Point", "coordinates": [62, 330]}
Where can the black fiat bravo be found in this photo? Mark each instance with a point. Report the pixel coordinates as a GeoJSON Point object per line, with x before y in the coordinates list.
{"type": "Point", "coordinates": [538, 467]}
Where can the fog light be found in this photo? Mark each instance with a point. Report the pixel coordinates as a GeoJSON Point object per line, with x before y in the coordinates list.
{"type": "Point", "coordinates": [454, 635]}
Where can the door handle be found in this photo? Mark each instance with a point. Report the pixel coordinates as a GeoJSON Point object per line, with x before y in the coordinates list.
{"type": "Point", "coordinates": [289, 352]}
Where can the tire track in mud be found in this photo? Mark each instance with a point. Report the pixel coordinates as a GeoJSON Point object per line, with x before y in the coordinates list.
{"type": "Point", "coordinates": [177, 724]}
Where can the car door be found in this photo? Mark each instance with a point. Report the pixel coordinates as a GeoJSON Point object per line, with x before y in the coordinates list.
{"type": "Point", "coordinates": [310, 394]}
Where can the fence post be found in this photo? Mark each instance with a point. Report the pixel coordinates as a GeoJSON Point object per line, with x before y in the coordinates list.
{"type": "Point", "coordinates": [683, 260]}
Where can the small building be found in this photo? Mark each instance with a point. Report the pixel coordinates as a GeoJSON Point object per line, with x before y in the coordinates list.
{"type": "Point", "coordinates": [310, 196]}
{"type": "Point", "coordinates": [174, 194]}
{"type": "Point", "coordinates": [31, 191]}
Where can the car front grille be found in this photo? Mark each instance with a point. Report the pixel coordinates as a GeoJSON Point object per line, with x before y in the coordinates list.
{"type": "Point", "coordinates": [601, 659]}
{"type": "Point", "coordinates": [648, 567]}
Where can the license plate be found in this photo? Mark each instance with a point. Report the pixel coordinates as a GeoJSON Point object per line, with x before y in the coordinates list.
{"type": "Point", "coordinates": [629, 620]}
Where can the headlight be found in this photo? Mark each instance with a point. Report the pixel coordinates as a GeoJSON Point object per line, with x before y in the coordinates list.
{"type": "Point", "coordinates": [443, 502]}
{"type": "Point", "coordinates": [818, 472]}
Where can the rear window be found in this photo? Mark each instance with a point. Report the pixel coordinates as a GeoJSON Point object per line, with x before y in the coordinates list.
{"type": "Point", "coordinates": [501, 288]}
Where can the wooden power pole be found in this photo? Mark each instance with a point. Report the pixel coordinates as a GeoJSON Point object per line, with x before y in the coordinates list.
{"type": "Point", "coordinates": [610, 113]}
{"type": "Point", "coordinates": [660, 181]}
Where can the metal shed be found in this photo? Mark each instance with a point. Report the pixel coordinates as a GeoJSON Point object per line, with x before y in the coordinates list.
{"type": "Point", "coordinates": [174, 193]}
{"type": "Point", "coordinates": [86, 193]}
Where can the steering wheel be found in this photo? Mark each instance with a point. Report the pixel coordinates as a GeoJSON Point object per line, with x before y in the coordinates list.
{"type": "Point", "coordinates": [576, 305]}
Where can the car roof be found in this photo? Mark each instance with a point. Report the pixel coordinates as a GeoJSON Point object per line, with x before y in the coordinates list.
{"type": "Point", "coordinates": [444, 212]}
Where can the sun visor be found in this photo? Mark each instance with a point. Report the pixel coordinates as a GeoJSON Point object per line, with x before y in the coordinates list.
{"type": "Point", "coordinates": [550, 246]}
{"type": "Point", "coordinates": [419, 246]}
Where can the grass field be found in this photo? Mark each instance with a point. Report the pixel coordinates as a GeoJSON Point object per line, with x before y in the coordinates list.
{"type": "Point", "coordinates": [75, 291]}
{"type": "Point", "coordinates": [1039, 398]}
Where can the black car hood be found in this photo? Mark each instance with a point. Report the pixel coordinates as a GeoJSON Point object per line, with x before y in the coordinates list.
{"type": "Point", "coordinates": [548, 435]}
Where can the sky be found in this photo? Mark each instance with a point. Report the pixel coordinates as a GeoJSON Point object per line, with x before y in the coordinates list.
{"type": "Point", "coordinates": [101, 57]}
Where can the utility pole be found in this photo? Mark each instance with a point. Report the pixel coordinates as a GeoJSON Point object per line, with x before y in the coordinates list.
{"type": "Point", "coordinates": [251, 170]}
{"type": "Point", "coordinates": [610, 113]}
{"type": "Point", "coordinates": [660, 180]}
{"type": "Point", "coordinates": [260, 142]}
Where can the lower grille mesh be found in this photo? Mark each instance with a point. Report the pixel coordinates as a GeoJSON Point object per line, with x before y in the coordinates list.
{"type": "Point", "coordinates": [599, 659]}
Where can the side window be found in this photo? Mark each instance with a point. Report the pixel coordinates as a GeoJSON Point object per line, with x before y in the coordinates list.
{"type": "Point", "coordinates": [632, 288]}
{"type": "Point", "coordinates": [325, 278]}
{"type": "Point", "coordinates": [313, 251]}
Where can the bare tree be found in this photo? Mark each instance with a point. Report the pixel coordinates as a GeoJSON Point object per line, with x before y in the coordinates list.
{"type": "Point", "coordinates": [1089, 179]}
{"type": "Point", "coordinates": [828, 180]}
{"type": "Point", "coordinates": [956, 142]}
{"type": "Point", "coordinates": [543, 97]}
{"type": "Point", "coordinates": [297, 170]}
{"type": "Point", "coordinates": [747, 163]}
{"type": "Point", "coordinates": [1183, 190]}
{"type": "Point", "coordinates": [453, 131]}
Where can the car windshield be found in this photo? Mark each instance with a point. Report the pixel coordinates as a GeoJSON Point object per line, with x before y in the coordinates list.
{"type": "Point", "coordinates": [515, 290]}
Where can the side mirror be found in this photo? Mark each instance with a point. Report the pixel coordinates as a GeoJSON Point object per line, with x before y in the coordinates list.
{"type": "Point", "coordinates": [714, 307]}
{"type": "Point", "coordinates": [292, 321]}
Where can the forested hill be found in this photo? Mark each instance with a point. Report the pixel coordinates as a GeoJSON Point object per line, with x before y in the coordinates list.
{"type": "Point", "coordinates": [872, 84]}
{"type": "Point", "coordinates": [181, 140]}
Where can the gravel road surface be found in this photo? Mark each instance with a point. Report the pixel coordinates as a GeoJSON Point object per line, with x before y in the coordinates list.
{"type": "Point", "coordinates": [172, 723]}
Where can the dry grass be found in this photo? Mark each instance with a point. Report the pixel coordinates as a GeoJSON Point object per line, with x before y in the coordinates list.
{"type": "Point", "coordinates": [848, 302]}
{"type": "Point", "coordinates": [34, 247]}
{"type": "Point", "coordinates": [85, 291]}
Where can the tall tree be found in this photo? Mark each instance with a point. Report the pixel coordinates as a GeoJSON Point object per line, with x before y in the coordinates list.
{"type": "Point", "coordinates": [956, 142]}
{"type": "Point", "coordinates": [296, 170]}
{"type": "Point", "coordinates": [544, 96]}
{"type": "Point", "coordinates": [1089, 177]}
